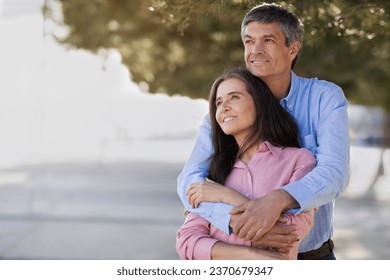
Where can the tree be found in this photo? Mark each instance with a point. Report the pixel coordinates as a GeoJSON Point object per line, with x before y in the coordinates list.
{"type": "Point", "coordinates": [180, 46]}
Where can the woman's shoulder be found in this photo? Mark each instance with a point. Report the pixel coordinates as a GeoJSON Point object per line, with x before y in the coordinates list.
{"type": "Point", "coordinates": [290, 152]}
{"type": "Point", "coordinates": [298, 153]}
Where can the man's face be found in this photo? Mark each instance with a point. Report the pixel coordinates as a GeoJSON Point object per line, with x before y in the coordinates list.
{"type": "Point", "coordinates": [266, 53]}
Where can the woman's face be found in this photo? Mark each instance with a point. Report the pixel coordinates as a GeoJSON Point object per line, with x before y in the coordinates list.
{"type": "Point", "coordinates": [236, 113]}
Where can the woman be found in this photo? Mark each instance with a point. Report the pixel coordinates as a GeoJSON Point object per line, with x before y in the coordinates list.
{"type": "Point", "coordinates": [255, 151]}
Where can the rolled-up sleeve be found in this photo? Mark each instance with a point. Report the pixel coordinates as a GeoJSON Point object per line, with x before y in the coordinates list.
{"type": "Point", "coordinates": [193, 241]}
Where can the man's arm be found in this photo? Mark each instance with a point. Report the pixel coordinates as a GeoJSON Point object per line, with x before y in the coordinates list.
{"type": "Point", "coordinates": [196, 171]}
{"type": "Point", "coordinates": [252, 220]}
{"type": "Point", "coordinates": [329, 178]}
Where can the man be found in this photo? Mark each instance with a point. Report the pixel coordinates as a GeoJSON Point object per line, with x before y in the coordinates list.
{"type": "Point", "coordinates": [273, 38]}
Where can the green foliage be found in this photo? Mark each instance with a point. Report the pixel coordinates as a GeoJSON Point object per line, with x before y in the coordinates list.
{"type": "Point", "coordinates": [180, 46]}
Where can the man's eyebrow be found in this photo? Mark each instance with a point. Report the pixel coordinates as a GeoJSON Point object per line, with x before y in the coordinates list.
{"type": "Point", "coordinates": [270, 36]}
{"type": "Point", "coordinates": [264, 36]}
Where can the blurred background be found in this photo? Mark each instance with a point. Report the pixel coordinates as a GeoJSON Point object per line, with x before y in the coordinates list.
{"type": "Point", "coordinates": [101, 100]}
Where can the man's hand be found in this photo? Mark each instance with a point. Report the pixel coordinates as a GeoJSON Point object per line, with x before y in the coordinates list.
{"type": "Point", "coordinates": [280, 238]}
{"type": "Point", "coordinates": [260, 215]}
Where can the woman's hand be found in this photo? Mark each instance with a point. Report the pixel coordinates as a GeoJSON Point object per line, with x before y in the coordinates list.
{"type": "Point", "coordinates": [213, 192]}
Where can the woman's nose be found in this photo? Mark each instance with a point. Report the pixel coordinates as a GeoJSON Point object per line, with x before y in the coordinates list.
{"type": "Point", "coordinates": [224, 107]}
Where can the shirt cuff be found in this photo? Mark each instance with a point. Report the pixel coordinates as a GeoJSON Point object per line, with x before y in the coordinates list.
{"type": "Point", "coordinates": [293, 190]}
{"type": "Point", "coordinates": [202, 250]}
{"type": "Point", "coordinates": [221, 217]}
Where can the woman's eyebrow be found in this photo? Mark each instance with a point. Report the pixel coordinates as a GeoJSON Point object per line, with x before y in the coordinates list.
{"type": "Point", "coordinates": [229, 93]}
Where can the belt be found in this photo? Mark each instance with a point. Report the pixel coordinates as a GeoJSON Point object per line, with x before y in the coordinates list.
{"type": "Point", "coordinates": [324, 250]}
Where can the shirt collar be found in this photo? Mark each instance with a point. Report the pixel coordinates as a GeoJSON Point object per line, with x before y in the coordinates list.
{"type": "Point", "coordinates": [263, 147]}
{"type": "Point", "coordinates": [267, 146]}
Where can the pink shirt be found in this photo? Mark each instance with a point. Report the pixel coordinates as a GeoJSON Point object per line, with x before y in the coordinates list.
{"type": "Point", "coordinates": [270, 168]}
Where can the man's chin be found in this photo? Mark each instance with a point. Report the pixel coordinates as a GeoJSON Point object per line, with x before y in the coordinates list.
{"type": "Point", "coordinates": [257, 72]}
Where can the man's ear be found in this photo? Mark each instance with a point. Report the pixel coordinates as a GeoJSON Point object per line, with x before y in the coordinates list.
{"type": "Point", "coordinates": [294, 49]}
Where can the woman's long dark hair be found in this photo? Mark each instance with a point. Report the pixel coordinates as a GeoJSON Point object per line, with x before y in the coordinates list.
{"type": "Point", "coordinates": [272, 124]}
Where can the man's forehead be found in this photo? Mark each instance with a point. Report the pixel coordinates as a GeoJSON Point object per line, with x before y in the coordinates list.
{"type": "Point", "coordinates": [263, 29]}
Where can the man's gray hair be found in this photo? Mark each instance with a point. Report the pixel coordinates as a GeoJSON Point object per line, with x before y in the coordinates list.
{"type": "Point", "coordinates": [290, 25]}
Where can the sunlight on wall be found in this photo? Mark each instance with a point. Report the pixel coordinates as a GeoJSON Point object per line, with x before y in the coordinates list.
{"type": "Point", "coordinates": [67, 105]}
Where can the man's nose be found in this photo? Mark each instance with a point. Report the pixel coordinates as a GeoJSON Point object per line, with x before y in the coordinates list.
{"type": "Point", "coordinates": [257, 48]}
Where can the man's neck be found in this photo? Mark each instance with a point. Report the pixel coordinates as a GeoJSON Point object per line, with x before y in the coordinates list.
{"type": "Point", "coordinates": [280, 87]}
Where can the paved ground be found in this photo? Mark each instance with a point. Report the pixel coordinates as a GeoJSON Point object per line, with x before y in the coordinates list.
{"type": "Point", "coordinates": [131, 211]}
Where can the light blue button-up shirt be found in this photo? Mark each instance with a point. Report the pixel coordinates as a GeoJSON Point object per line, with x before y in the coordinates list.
{"type": "Point", "coordinates": [320, 109]}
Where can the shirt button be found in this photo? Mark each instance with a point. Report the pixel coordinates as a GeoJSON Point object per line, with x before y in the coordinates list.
{"type": "Point", "coordinates": [247, 194]}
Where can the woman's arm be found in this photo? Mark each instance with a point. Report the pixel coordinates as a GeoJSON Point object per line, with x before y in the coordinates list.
{"type": "Point", "coordinates": [195, 243]}
{"type": "Point", "coordinates": [225, 251]}
{"type": "Point", "coordinates": [193, 240]}
{"type": "Point", "coordinates": [213, 192]}
{"type": "Point", "coordinates": [304, 221]}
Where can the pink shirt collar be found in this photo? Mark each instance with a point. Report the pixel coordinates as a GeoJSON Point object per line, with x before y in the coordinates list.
{"type": "Point", "coordinates": [263, 147]}
{"type": "Point", "coordinates": [267, 146]}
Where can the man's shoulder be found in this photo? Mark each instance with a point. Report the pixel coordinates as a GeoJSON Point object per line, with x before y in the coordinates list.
{"type": "Point", "coordinates": [318, 90]}
{"type": "Point", "coordinates": [317, 84]}
{"type": "Point", "coordinates": [297, 152]}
